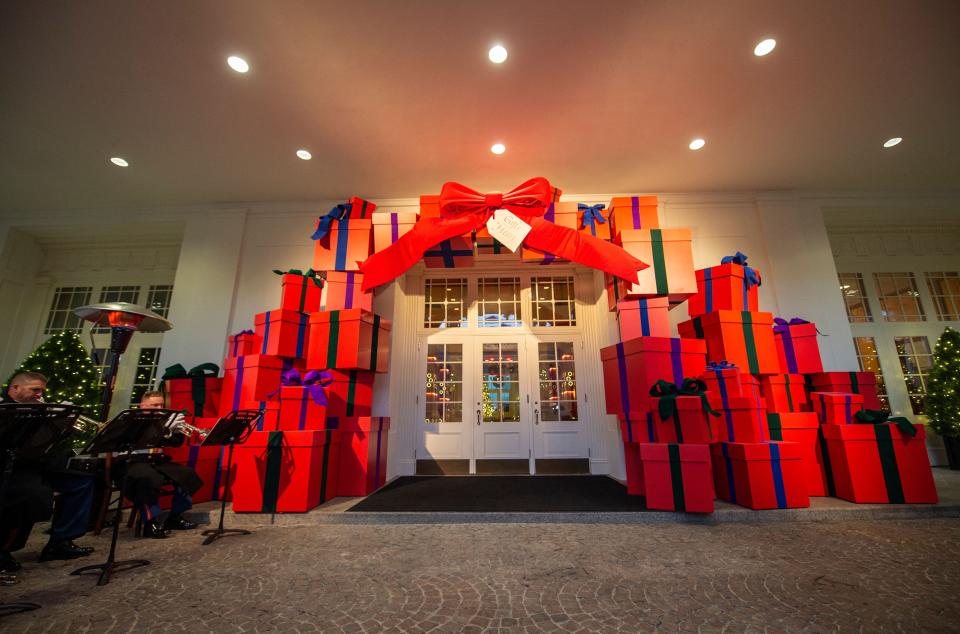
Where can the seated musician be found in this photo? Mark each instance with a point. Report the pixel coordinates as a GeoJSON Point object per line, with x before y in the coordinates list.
{"type": "Point", "coordinates": [147, 476]}
{"type": "Point", "coordinates": [29, 496]}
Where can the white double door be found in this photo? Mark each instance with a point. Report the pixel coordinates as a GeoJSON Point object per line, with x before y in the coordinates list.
{"type": "Point", "coordinates": [500, 398]}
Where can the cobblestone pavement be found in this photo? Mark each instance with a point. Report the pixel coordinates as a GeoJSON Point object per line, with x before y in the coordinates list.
{"type": "Point", "coordinates": [898, 575]}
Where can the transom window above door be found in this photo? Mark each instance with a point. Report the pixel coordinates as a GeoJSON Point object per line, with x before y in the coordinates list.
{"type": "Point", "coordinates": [500, 301]}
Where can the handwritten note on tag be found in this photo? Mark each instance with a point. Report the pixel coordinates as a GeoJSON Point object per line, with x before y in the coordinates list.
{"type": "Point", "coordinates": [508, 229]}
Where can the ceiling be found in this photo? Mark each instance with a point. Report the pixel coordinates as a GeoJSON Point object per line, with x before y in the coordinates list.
{"type": "Point", "coordinates": [395, 97]}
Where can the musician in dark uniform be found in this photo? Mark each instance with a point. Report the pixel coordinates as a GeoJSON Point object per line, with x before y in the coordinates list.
{"type": "Point", "coordinates": [148, 473]}
{"type": "Point", "coordinates": [29, 497]}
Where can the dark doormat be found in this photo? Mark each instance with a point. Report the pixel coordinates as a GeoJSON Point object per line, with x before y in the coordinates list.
{"type": "Point", "coordinates": [501, 494]}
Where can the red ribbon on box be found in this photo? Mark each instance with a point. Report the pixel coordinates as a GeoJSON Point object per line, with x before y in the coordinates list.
{"type": "Point", "coordinates": [463, 210]}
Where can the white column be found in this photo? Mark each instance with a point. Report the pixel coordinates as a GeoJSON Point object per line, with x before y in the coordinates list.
{"type": "Point", "coordinates": [803, 276]}
{"type": "Point", "coordinates": [204, 287]}
{"type": "Point", "coordinates": [20, 258]}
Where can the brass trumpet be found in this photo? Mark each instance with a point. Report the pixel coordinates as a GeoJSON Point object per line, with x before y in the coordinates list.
{"type": "Point", "coordinates": [82, 423]}
{"type": "Point", "coordinates": [180, 426]}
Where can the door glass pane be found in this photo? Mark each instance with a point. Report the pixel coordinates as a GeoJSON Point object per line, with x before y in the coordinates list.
{"type": "Point", "coordinates": [500, 383]}
{"type": "Point", "coordinates": [499, 302]}
{"type": "Point", "coordinates": [558, 381]}
{"type": "Point", "coordinates": [443, 391]}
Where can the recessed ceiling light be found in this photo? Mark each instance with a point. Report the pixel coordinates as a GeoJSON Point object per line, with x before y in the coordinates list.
{"type": "Point", "coordinates": [304, 154]}
{"type": "Point", "coordinates": [116, 160]}
{"type": "Point", "coordinates": [696, 144]}
{"type": "Point", "coordinates": [238, 64]}
{"type": "Point", "coordinates": [891, 142]}
{"type": "Point", "coordinates": [764, 47]}
{"type": "Point", "coordinates": [498, 148]}
{"type": "Point", "coordinates": [497, 54]}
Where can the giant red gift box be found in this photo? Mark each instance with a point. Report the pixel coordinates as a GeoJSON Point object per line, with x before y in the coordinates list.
{"type": "Point", "coordinates": [595, 229]}
{"type": "Point", "coordinates": [632, 212]}
{"type": "Point", "coordinates": [643, 317]}
{"type": "Point", "coordinates": [750, 386]}
{"type": "Point", "coordinates": [880, 464]}
{"type": "Point", "coordinates": [299, 411]}
{"type": "Point", "coordinates": [300, 293]}
{"type": "Point", "coordinates": [342, 291]}
{"type": "Point", "coordinates": [862, 383]}
{"type": "Point", "coordinates": [563, 214]}
{"type": "Point", "coordinates": [353, 339]}
{"type": "Point", "coordinates": [242, 343]}
{"type": "Point", "coordinates": [388, 227]}
{"type": "Point", "coordinates": [349, 241]}
{"type": "Point", "coordinates": [744, 420]}
{"type": "Point", "coordinates": [248, 380]}
{"type": "Point", "coordinates": [455, 253]}
{"type": "Point", "coordinates": [283, 333]}
{"type": "Point", "coordinates": [635, 428]}
{"type": "Point", "coordinates": [180, 395]}
{"type": "Point", "coordinates": [677, 477]}
{"type": "Point", "coordinates": [722, 382]}
{"type": "Point", "coordinates": [797, 348]}
{"type": "Point", "coordinates": [614, 291]}
{"type": "Point", "coordinates": [723, 287]}
{"type": "Point", "coordinates": [270, 421]}
{"type": "Point", "coordinates": [631, 367]}
{"type": "Point", "coordinates": [350, 393]}
{"type": "Point", "coordinates": [286, 471]}
{"type": "Point", "coordinates": [803, 428]}
{"type": "Point", "coordinates": [204, 460]}
{"type": "Point", "coordinates": [785, 393]}
{"type": "Point", "coordinates": [670, 256]}
{"type": "Point", "coordinates": [689, 423]}
{"type": "Point", "coordinates": [363, 453]}
{"type": "Point", "coordinates": [836, 408]}
{"type": "Point", "coordinates": [430, 208]}
{"type": "Point", "coordinates": [743, 338]}
{"type": "Point", "coordinates": [760, 475]}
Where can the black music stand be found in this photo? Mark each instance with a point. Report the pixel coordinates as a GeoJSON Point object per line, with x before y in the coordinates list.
{"type": "Point", "coordinates": [233, 428]}
{"type": "Point", "coordinates": [28, 430]}
{"type": "Point", "coordinates": [131, 429]}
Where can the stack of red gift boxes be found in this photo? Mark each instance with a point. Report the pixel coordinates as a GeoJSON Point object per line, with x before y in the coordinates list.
{"type": "Point", "coordinates": [785, 429]}
{"type": "Point", "coordinates": [309, 366]}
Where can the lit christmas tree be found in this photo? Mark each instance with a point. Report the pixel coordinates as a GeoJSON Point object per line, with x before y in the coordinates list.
{"type": "Point", "coordinates": [943, 385]}
{"type": "Point", "coordinates": [71, 374]}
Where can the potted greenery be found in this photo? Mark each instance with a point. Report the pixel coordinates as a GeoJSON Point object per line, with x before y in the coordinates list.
{"type": "Point", "coordinates": [943, 394]}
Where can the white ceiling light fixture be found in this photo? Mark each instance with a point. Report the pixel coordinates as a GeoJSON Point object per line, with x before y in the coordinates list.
{"type": "Point", "coordinates": [765, 47]}
{"type": "Point", "coordinates": [498, 148]}
{"type": "Point", "coordinates": [498, 54]}
{"type": "Point", "coordinates": [238, 64]}
{"type": "Point", "coordinates": [120, 162]}
{"type": "Point", "coordinates": [891, 142]}
{"type": "Point", "coordinates": [696, 144]}
{"type": "Point", "coordinates": [304, 155]}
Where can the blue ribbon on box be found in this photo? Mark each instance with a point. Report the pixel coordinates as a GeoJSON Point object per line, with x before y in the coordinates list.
{"type": "Point", "coordinates": [728, 463]}
{"type": "Point", "coordinates": [592, 216]}
{"type": "Point", "coordinates": [446, 251]}
{"type": "Point", "coordinates": [750, 276]}
{"type": "Point", "coordinates": [338, 213]}
{"type": "Point", "coordinates": [624, 386]}
{"type": "Point", "coordinates": [777, 469]}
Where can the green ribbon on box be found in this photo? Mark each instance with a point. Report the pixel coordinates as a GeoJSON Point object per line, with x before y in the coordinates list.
{"type": "Point", "coordinates": [374, 343]}
{"type": "Point", "coordinates": [309, 275]}
{"type": "Point", "coordinates": [854, 382]}
{"type": "Point", "coordinates": [334, 341]}
{"type": "Point", "coordinates": [698, 328]}
{"type": "Point", "coordinates": [352, 392]}
{"type": "Point", "coordinates": [775, 425]}
{"type": "Point", "coordinates": [667, 393]}
{"type": "Point", "coordinates": [325, 466]}
{"type": "Point", "coordinates": [888, 464]}
{"type": "Point", "coordinates": [879, 417]}
{"type": "Point", "coordinates": [676, 478]}
{"type": "Point", "coordinates": [659, 262]}
{"type": "Point", "coordinates": [272, 471]}
{"type": "Point", "coordinates": [198, 386]}
{"type": "Point", "coordinates": [825, 458]}
{"type": "Point", "coordinates": [751, 343]}
{"type": "Point", "coordinates": [786, 379]}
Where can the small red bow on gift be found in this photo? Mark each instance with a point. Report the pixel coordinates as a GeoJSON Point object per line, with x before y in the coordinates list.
{"type": "Point", "coordinates": [527, 199]}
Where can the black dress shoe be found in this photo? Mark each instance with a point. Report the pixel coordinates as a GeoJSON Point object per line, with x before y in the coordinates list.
{"type": "Point", "coordinates": [178, 524]}
{"type": "Point", "coordinates": [154, 530]}
{"type": "Point", "coordinates": [88, 549]}
{"type": "Point", "coordinates": [62, 550]}
{"type": "Point", "coordinates": [8, 564]}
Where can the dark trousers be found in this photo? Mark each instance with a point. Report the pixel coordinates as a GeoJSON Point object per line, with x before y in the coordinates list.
{"type": "Point", "coordinates": [72, 513]}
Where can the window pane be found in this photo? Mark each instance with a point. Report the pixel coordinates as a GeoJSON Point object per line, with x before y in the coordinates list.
{"type": "Point", "coordinates": [558, 381]}
{"type": "Point", "coordinates": [443, 303]}
{"type": "Point", "coordinates": [499, 303]}
{"type": "Point", "coordinates": [869, 360]}
{"type": "Point", "coordinates": [554, 301]}
{"type": "Point", "coordinates": [65, 300]}
{"type": "Point", "coordinates": [855, 298]}
{"type": "Point", "coordinates": [499, 383]}
{"type": "Point", "coordinates": [899, 297]}
{"type": "Point", "coordinates": [146, 373]}
{"type": "Point", "coordinates": [158, 299]}
{"type": "Point", "coordinates": [443, 387]}
{"type": "Point", "coordinates": [128, 294]}
{"type": "Point", "coordinates": [945, 291]}
{"type": "Point", "coordinates": [915, 362]}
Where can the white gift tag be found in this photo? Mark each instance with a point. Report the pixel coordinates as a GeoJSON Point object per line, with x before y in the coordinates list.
{"type": "Point", "coordinates": [508, 229]}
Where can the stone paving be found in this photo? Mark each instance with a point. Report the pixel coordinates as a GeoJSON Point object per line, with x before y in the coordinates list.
{"type": "Point", "coordinates": [871, 576]}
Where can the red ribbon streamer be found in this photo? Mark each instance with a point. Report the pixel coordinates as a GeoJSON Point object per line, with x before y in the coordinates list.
{"type": "Point", "coordinates": [463, 210]}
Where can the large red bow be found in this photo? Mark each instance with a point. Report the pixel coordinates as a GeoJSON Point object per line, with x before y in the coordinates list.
{"type": "Point", "coordinates": [463, 210]}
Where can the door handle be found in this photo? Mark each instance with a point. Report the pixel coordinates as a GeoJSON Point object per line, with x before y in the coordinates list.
{"type": "Point", "coordinates": [536, 417]}
{"type": "Point", "coordinates": [478, 418]}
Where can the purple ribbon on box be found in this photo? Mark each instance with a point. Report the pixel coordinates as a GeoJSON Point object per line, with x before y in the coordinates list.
{"type": "Point", "coordinates": [847, 408]}
{"type": "Point", "coordinates": [394, 227]}
{"type": "Point", "coordinates": [591, 216]}
{"type": "Point", "coordinates": [316, 382]}
{"type": "Point", "coordinates": [782, 328]}
{"type": "Point", "coordinates": [237, 384]}
{"type": "Point", "coordinates": [236, 342]}
{"type": "Point", "coordinates": [675, 361]}
{"type": "Point", "coordinates": [635, 211]}
{"type": "Point", "coordinates": [348, 295]}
